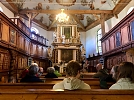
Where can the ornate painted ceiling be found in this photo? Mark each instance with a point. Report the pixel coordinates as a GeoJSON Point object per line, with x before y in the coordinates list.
{"type": "Point", "coordinates": [84, 12]}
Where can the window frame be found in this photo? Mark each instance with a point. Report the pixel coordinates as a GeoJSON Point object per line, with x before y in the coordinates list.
{"type": "Point", "coordinates": [99, 45]}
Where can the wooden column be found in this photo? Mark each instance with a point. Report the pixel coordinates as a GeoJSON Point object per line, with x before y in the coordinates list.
{"type": "Point", "coordinates": [11, 77]}
{"type": "Point", "coordinates": [102, 21]}
{"type": "Point", "coordinates": [31, 16]}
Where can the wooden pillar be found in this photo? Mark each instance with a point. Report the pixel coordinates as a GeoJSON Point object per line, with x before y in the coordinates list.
{"type": "Point", "coordinates": [31, 16]}
{"type": "Point", "coordinates": [11, 75]}
{"type": "Point", "coordinates": [102, 21]}
{"type": "Point", "coordinates": [29, 19]}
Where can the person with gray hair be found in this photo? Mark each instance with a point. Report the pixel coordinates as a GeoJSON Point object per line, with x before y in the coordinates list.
{"type": "Point", "coordinates": [50, 73]}
{"type": "Point", "coordinates": [101, 72]}
{"type": "Point", "coordinates": [31, 76]}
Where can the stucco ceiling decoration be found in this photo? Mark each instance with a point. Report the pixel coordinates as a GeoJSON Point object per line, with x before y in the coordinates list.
{"type": "Point", "coordinates": [66, 2]}
{"type": "Point", "coordinates": [38, 7]}
{"type": "Point", "coordinates": [80, 16]}
{"type": "Point", "coordinates": [90, 4]}
{"type": "Point", "coordinates": [50, 1]}
{"type": "Point", "coordinates": [52, 17]}
{"type": "Point", "coordinates": [19, 3]}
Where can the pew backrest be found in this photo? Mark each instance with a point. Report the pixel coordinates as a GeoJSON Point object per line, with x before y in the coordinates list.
{"type": "Point", "coordinates": [48, 94]}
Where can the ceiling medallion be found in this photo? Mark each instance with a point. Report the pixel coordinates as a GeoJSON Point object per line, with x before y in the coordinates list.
{"type": "Point", "coordinates": [62, 17]}
{"type": "Point", "coordinates": [66, 2]}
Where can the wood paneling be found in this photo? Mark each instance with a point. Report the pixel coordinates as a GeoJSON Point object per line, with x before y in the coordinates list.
{"type": "Point", "coordinates": [112, 43]}
{"type": "Point", "coordinates": [16, 46]}
{"type": "Point", "coordinates": [103, 47]}
{"type": "Point", "coordinates": [124, 35]}
{"type": "Point", "coordinates": [132, 29]}
{"type": "Point", "coordinates": [107, 45]}
{"type": "Point", "coordinates": [13, 36]}
{"type": "Point", "coordinates": [5, 32]}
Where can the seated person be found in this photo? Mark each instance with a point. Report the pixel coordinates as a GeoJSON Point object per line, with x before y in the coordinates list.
{"type": "Point", "coordinates": [73, 72]}
{"type": "Point", "coordinates": [114, 72]}
{"type": "Point", "coordinates": [31, 76]}
{"type": "Point", "coordinates": [50, 73]}
{"type": "Point", "coordinates": [100, 72]}
{"type": "Point", "coordinates": [56, 72]}
{"type": "Point", "coordinates": [40, 72]}
{"type": "Point", "coordinates": [24, 72]}
{"type": "Point", "coordinates": [109, 78]}
{"type": "Point", "coordinates": [125, 76]}
{"type": "Point", "coordinates": [85, 66]}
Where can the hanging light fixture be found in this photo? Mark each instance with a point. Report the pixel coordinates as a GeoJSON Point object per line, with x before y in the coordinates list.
{"type": "Point", "coordinates": [62, 17]}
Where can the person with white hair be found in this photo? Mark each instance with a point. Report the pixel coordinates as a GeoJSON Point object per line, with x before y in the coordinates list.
{"type": "Point", "coordinates": [50, 73]}
{"type": "Point", "coordinates": [32, 74]}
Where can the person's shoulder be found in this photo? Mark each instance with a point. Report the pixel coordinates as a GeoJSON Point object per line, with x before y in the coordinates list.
{"type": "Point", "coordinates": [115, 86]}
{"type": "Point", "coordinates": [85, 86]}
{"type": "Point", "coordinates": [97, 75]}
{"type": "Point", "coordinates": [39, 80]}
{"type": "Point", "coordinates": [58, 85]}
{"type": "Point", "coordinates": [57, 73]}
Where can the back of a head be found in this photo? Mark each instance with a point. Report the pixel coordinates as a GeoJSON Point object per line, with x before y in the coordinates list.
{"type": "Point", "coordinates": [56, 67]}
{"type": "Point", "coordinates": [99, 66]}
{"type": "Point", "coordinates": [50, 69]}
{"type": "Point", "coordinates": [33, 69]}
{"type": "Point", "coordinates": [126, 70]}
{"type": "Point", "coordinates": [114, 71]}
{"type": "Point", "coordinates": [72, 68]}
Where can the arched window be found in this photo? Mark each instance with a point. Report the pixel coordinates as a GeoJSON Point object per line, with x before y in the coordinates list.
{"type": "Point", "coordinates": [98, 46]}
{"type": "Point", "coordinates": [129, 10]}
{"type": "Point", "coordinates": [1, 9]}
{"type": "Point", "coordinates": [33, 29]}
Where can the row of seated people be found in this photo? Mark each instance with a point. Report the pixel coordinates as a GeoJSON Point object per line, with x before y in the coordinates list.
{"type": "Point", "coordinates": [124, 75]}
{"type": "Point", "coordinates": [52, 71]}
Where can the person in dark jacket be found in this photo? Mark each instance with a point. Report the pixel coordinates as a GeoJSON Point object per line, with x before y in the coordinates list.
{"type": "Point", "coordinates": [50, 73]}
{"type": "Point", "coordinates": [112, 77]}
{"type": "Point", "coordinates": [101, 72]}
{"type": "Point", "coordinates": [31, 76]}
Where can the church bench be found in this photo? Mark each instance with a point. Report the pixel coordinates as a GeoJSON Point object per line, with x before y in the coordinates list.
{"type": "Point", "coordinates": [49, 94]}
{"type": "Point", "coordinates": [87, 75]}
{"type": "Point", "coordinates": [93, 82]}
{"type": "Point", "coordinates": [84, 75]}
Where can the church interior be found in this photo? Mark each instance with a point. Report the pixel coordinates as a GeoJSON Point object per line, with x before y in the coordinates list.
{"type": "Point", "coordinates": [54, 32]}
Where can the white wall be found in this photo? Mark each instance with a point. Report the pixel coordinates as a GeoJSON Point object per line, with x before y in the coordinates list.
{"type": "Point", "coordinates": [109, 24]}
{"type": "Point", "coordinates": [83, 38]}
{"type": "Point", "coordinates": [50, 36]}
{"type": "Point", "coordinates": [91, 41]}
{"type": "Point", "coordinates": [6, 11]}
{"type": "Point", "coordinates": [42, 32]}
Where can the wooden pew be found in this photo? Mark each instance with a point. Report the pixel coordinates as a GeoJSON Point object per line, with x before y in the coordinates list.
{"type": "Point", "coordinates": [48, 94]}
{"type": "Point", "coordinates": [84, 75]}
{"type": "Point", "coordinates": [26, 85]}
{"type": "Point", "coordinates": [49, 82]}
{"type": "Point", "coordinates": [93, 82]}
{"type": "Point", "coordinates": [87, 75]}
